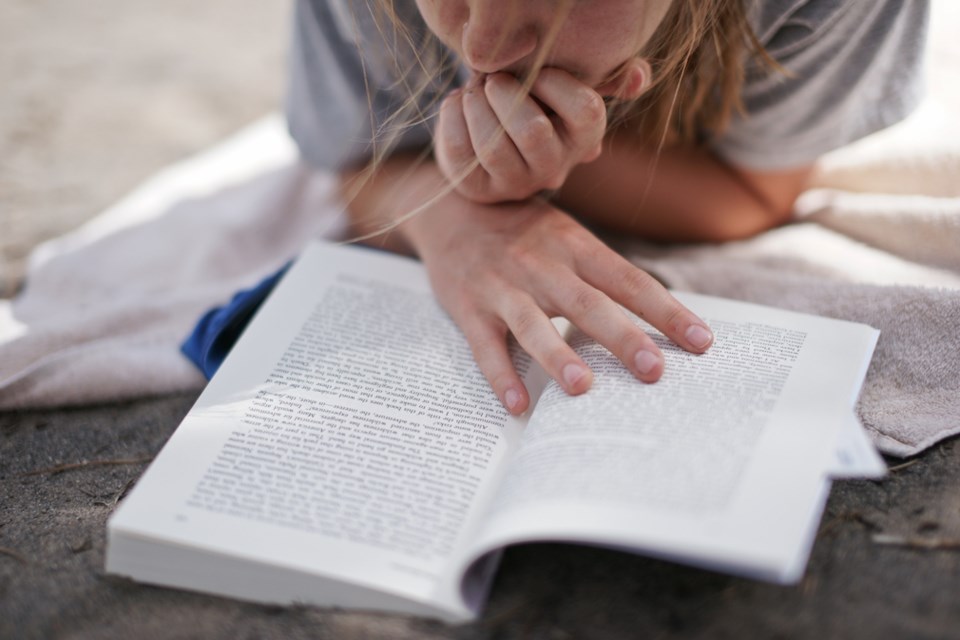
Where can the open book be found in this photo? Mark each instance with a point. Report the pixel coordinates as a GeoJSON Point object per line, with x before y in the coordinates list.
{"type": "Point", "coordinates": [349, 452]}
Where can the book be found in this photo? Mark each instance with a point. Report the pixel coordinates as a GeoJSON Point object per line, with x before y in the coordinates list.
{"type": "Point", "coordinates": [349, 452]}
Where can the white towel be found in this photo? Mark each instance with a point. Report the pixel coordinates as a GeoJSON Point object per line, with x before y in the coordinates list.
{"type": "Point", "coordinates": [106, 307]}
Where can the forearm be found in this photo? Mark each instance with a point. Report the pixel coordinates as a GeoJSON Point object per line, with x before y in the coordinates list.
{"type": "Point", "coordinates": [384, 207]}
{"type": "Point", "coordinates": [680, 194]}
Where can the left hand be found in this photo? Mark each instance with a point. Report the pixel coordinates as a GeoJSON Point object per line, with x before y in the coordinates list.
{"type": "Point", "coordinates": [508, 268]}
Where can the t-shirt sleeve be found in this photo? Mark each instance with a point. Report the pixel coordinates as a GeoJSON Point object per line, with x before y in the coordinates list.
{"type": "Point", "coordinates": [351, 78]}
{"type": "Point", "coordinates": [853, 68]}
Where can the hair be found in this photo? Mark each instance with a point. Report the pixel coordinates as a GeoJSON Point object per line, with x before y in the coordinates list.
{"type": "Point", "coordinates": [698, 54]}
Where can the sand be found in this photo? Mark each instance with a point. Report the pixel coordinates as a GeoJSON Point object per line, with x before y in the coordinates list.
{"type": "Point", "coordinates": [99, 94]}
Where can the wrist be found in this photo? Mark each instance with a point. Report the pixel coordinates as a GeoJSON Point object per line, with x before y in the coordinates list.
{"type": "Point", "coordinates": [384, 205]}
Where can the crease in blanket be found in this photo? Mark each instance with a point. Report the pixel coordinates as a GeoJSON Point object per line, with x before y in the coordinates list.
{"type": "Point", "coordinates": [880, 253]}
{"type": "Point", "coordinates": [105, 307]}
{"type": "Point", "coordinates": [911, 395]}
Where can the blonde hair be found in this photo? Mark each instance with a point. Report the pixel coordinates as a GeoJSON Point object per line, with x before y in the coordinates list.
{"type": "Point", "coordinates": [698, 55]}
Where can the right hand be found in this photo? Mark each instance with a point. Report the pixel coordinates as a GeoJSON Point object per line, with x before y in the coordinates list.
{"type": "Point", "coordinates": [509, 268]}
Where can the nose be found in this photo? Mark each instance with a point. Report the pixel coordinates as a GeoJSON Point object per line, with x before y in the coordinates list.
{"type": "Point", "coordinates": [496, 40]}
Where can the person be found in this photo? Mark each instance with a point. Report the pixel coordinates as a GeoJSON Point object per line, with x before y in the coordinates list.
{"type": "Point", "coordinates": [488, 137]}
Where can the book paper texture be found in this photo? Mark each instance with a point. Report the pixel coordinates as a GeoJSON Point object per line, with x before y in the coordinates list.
{"type": "Point", "coordinates": [349, 452]}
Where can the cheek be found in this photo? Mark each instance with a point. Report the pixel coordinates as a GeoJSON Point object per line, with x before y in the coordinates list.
{"type": "Point", "coordinates": [591, 59]}
{"type": "Point", "coordinates": [445, 18]}
{"type": "Point", "coordinates": [600, 41]}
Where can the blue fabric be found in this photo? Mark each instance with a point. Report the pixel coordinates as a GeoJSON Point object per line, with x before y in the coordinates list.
{"type": "Point", "coordinates": [218, 329]}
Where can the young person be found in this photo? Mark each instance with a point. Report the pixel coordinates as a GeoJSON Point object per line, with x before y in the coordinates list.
{"type": "Point", "coordinates": [482, 135]}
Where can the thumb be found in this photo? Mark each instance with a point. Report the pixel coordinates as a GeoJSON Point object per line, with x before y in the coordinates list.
{"type": "Point", "coordinates": [629, 82]}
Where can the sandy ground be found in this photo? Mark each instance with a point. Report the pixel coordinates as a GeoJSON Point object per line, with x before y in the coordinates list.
{"type": "Point", "coordinates": [99, 94]}
{"type": "Point", "coordinates": [52, 539]}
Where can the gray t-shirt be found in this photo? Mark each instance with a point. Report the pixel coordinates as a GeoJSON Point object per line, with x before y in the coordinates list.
{"type": "Point", "coordinates": [854, 67]}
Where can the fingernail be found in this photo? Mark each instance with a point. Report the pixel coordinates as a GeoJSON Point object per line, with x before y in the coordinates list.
{"type": "Point", "coordinates": [572, 373]}
{"type": "Point", "coordinates": [699, 337]}
{"type": "Point", "coordinates": [512, 399]}
{"type": "Point", "coordinates": [645, 361]}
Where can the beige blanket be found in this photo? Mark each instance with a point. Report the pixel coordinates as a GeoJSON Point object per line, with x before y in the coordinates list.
{"type": "Point", "coordinates": [878, 241]}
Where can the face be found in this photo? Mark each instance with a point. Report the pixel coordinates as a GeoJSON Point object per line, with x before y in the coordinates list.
{"type": "Point", "coordinates": [593, 41]}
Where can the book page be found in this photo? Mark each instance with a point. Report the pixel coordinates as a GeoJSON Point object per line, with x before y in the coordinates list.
{"type": "Point", "coordinates": [856, 455]}
{"type": "Point", "coordinates": [349, 433]}
{"type": "Point", "coordinates": [721, 463]}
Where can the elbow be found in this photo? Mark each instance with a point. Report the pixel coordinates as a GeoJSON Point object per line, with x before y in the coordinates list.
{"type": "Point", "coordinates": [762, 201]}
{"type": "Point", "coordinates": [745, 222]}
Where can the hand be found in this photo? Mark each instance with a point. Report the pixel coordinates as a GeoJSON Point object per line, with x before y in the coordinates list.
{"type": "Point", "coordinates": [509, 268]}
{"type": "Point", "coordinates": [497, 143]}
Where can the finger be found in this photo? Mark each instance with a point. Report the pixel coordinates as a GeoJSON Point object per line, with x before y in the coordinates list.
{"type": "Point", "coordinates": [580, 109]}
{"type": "Point", "coordinates": [497, 153]}
{"type": "Point", "coordinates": [539, 338]}
{"type": "Point", "coordinates": [594, 313]}
{"type": "Point", "coordinates": [640, 292]}
{"type": "Point", "coordinates": [455, 155]}
{"type": "Point", "coordinates": [533, 133]}
{"type": "Point", "coordinates": [489, 347]}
